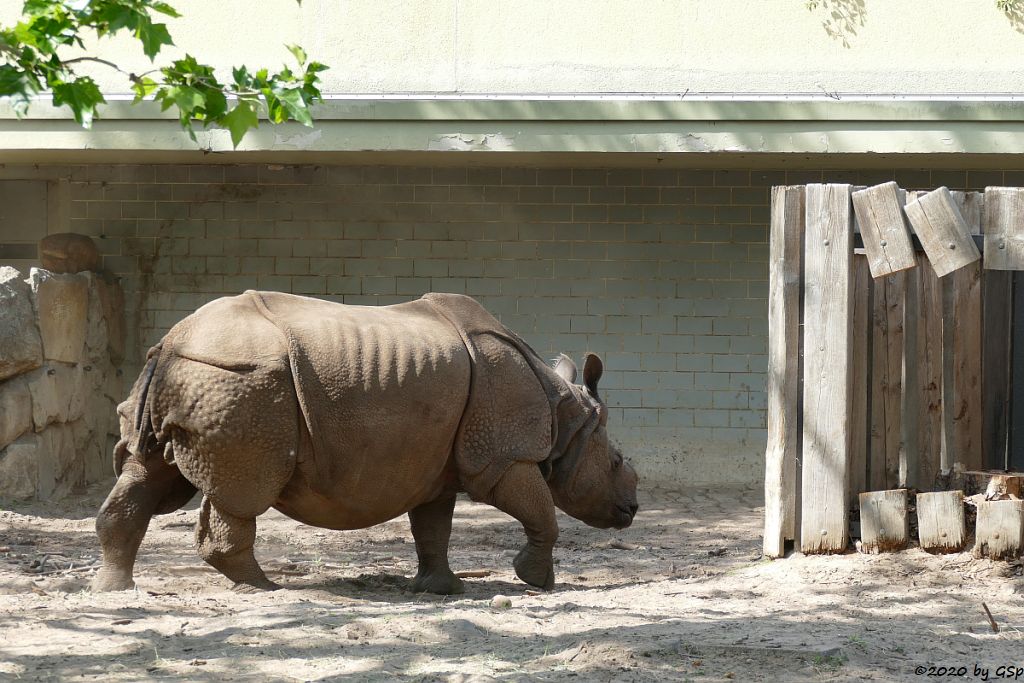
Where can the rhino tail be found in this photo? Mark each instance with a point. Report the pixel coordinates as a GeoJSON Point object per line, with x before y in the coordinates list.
{"type": "Point", "coordinates": [142, 435]}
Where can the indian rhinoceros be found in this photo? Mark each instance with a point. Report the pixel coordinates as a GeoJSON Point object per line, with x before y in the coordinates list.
{"type": "Point", "coordinates": [344, 417]}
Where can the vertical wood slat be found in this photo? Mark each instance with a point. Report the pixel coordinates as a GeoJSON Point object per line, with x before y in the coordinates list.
{"type": "Point", "coordinates": [888, 468]}
{"type": "Point", "coordinates": [785, 257]}
{"type": "Point", "coordinates": [942, 231]}
{"type": "Point", "coordinates": [828, 280]}
{"type": "Point", "coordinates": [910, 453]}
{"type": "Point", "coordinates": [997, 301]}
{"type": "Point", "coordinates": [860, 372]}
{"type": "Point", "coordinates": [879, 212]}
{"type": "Point", "coordinates": [962, 374]}
{"type": "Point", "coordinates": [1004, 228]}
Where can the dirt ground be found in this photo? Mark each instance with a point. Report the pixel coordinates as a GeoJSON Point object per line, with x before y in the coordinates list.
{"type": "Point", "coordinates": [682, 595]}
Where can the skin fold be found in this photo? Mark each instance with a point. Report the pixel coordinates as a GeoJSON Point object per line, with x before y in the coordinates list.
{"type": "Point", "coordinates": [344, 417]}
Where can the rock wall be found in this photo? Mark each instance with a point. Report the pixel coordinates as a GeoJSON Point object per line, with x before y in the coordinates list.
{"type": "Point", "coordinates": [61, 340]}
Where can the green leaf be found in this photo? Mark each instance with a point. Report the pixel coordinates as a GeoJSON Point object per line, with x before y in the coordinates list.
{"type": "Point", "coordinates": [300, 54]}
{"type": "Point", "coordinates": [143, 87]}
{"type": "Point", "coordinates": [153, 37]}
{"type": "Point", "coordinates": [292, 101]}
{"type": "Point", "coordinates": [164, 8]}
{"type": "Point", "coordinates": [239, 120]}
{"type": "Point", "coordinates": [82, 96]}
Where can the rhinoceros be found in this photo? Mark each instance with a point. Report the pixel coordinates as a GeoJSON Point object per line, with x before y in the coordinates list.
{"type": "Point", "coordinates": [344, 417]}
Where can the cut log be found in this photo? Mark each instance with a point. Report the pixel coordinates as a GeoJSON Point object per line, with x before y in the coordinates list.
{"type": "Point", "coordinates": [1004, 228]}
{"type": "Point", "coordinates": [828, 281]}
{"type": "Point", "coordinates": [1000, 530]}
{"type": "Point", "coordinates": [940, 521]}
{"type": "Point", "coordinates": [974, 482]}
{"type": "Point", "coordinates": [883, 521]}
{"type": "Point", "coordinates": [1004, 487]}
{"type": "Point", "coordinates": [785, 258]}
{"type": "Point", "coordinates": [884, 230]}
{"type": "Point", "coordinates": [943, 233]}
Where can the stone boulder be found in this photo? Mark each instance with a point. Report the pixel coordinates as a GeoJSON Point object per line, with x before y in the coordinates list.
{"type": "Point", "coordinates": [19, 468]}
{"type": "Point", "coordinates": [62, 304]}
{"type": "Point", "coordinates": [68, 252]}
{"type": "Point", "coordinates": [111, 298]}
{"type": "Point", "coordinates": [15, 410]}
{"type": "Point", "coordinates": [59, 393]}
{"type": "Point", "coordinates": [21, 348]}
{"type": "Point", "coordinates": [41, 466]}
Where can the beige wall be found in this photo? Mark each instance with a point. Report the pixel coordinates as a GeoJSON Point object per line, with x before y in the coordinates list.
{"type": "Point", "coordinates": [604, 46]}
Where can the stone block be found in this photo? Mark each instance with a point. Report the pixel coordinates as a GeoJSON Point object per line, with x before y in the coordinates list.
{"type": "Point", "coordinates": [62, 302]}
{"type": "Point", "coordinates": [15, 410]}
{"type": "Point", "coordinates": [68, 252]}
{"type": "Point", "coordinates": [96, 338]}
{"type": "Point", "coordinates": [59, 468]}
{"type": "Point", "coordinates": [59, 394]}
{"type": "Point", "coordinates": [19, 468]}
{"type": "Point", "coordinates": [21, 348]}
{"type": "Point", "coordinates": [111, 298]}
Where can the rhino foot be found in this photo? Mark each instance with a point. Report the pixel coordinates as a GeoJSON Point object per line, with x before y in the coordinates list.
{"type": "Point", "coordinates": [108, 580]}
{"type": "Point", "coordinates": [439, 583]}
{"type": "Point", "coordinates": [535, 568]}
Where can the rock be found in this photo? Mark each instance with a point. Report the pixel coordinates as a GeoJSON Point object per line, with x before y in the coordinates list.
{"type": "Point", "coordinates": [61, 302]}
{"type": "Point", "coordinates": [21, 348]}
{"type": "Point", "coordinates": [15, 410]}
{"type": "Point", "coordinates": [19, 468]}
{"type": "Point", "coordinates": [501, 602]}
{"type": "Point", "coordinates": [112, 302]}
{"type": "Point", "coordinates": [59, 470]}
{"type": "Point", "coordinates": [59, 394]}
{"type": "Point", "coordinates": [96, 341]}
{"type": "Point", "coordinates": [68, 252]}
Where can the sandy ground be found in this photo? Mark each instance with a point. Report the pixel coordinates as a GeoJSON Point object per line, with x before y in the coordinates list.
{"type": "Point", "coordinates": [682, 595]}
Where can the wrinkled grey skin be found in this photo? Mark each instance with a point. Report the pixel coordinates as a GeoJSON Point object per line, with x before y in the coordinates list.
{"type": "Point", "coordinates": [344, 417]}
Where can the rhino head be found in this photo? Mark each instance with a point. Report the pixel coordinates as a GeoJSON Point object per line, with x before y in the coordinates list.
{"type": "Point", "coordinates": [588, 477]}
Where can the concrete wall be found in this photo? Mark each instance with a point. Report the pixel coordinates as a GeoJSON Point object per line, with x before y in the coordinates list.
{"type": "Point", "coordinates": [574, 46]}
{"type": "Point", "coordinates": [661, 271]}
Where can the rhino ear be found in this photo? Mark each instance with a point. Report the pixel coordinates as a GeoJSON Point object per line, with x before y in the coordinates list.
{"type": "Point", "coordinates": [565, 368]}
{"type": "Point", "coordinates": [592, 369]}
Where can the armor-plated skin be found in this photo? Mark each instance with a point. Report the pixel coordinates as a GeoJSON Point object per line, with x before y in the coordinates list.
{"type": "Point", "coordinates": [347, 416]}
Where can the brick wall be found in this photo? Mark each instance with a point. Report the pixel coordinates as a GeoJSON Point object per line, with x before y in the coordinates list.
{"type": "Point", "coordinates": [663, 272]}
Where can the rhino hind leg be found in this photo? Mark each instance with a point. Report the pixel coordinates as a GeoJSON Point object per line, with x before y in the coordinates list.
{"type": "Point", "coordinates": [145, 487]}
{"type": "Point", "coordinates": [431, 528]}
{"type": "Point", "coordinates": [523, 494]}
{"type": "Point", "coordinates": [226, 543]}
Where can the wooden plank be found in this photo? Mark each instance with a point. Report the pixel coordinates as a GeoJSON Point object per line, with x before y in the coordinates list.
{"type": "Point", "coordinates": [910, 455]}
{"type": "Point", "coordinates": [940, 521]}
{"type": "Point", "coordinates": [930, 437]}
{"type": "Point", "coordinates": [942, 231]}
{"type": "Point", "coordinates": [886, 383]}
{"type": "Point", "coordinates": [785, 257]}
{"type": "Point", "coordinates": [995, 358]}
{"type": "Point", "coordinates": [1004, 228]}
{"type": "Point", "coordinates": [883, 228]}
{"type": "Point", "coordinates": [962, 366]}
{"type": "Point", "coordinates": [883, 521]}
{"type": "Point", "coordinates": [999, 533]}
{"type": "Point", "coordinates": [828, 281]}
{"type": "Point", "coordinates": [860, 369]}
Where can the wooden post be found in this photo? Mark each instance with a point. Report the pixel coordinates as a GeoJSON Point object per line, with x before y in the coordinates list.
{"type": "Point", "coordinates": [785, 258]}
{"type": "Point", "coordinates": [995, 357]}
{"type": "Point", "coordinates": [883, 228]}
{"type": "Point", "coordinates": [883, 521]}
{"type": "Point", "coordinates": [860, 370]}
{"type": "Point", "coordinates": [828, 280]}
{"type": "Point", "coordinates": [942, 231]}
{"type": "Point", "coordinates": [940, 521]}
{"type": "Point", "coordinates": [1004, 228]}
{"type": "Point", "coordinates": [1000, 530]}
{"type": "Point", "coordinates": [929, 377]}
{"type": "Point", "coordinates": [910, 456]}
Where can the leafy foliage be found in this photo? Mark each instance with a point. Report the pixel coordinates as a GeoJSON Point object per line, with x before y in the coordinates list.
{"type": "Point", "coordinates": [31, 63]}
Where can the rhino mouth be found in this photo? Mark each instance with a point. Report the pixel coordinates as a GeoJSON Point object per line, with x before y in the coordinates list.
{"type": "Point", "coordinates": [624, 515]}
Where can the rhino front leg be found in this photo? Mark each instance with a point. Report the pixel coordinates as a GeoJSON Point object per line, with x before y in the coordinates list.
{"type": "Point", "coordinates": [226, 542]}
{"type": "Point", "coordinates": [431, 528]}
{"type": "Point", "coordinates": [523, 494]}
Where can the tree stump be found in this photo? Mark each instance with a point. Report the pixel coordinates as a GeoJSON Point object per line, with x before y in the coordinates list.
{"type": "Point", "coordinates": [883, 521]}
{"type": "Point", "coordinates": [1000, 530]}
{"type": "Point", "coordinates": [940, 521]}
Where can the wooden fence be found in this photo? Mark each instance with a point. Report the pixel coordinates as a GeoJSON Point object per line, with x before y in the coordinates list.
{"type": "Point", "coordinates": [889, 347]}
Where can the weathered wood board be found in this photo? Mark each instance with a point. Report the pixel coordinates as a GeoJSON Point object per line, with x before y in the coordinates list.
{"type": "Point", "coordinates": [910, 452]}
{"type": "Point", "coordinates": [1000, 530]}
{"type": "Point", "coordinates": [930, 435]}
{"type": "Point", "coordinates": [883, 521]}
{"type": "Point", "coordinates": [1004, 228]}
{"type": "Point", "coordinates": [828, 281]}
{"type": "Point", "coordinates": [962, 351]}
{"type": "Point", "coordinates": [888, 469]}
{"type": "Point", "coordinates": [940, 521]}
{"type": "Point", "coordinates": [883, 228]}
{"type": "Point", "coordinates": [943, 233]}
{"type": "Point", "coordinates": [860, 370]}
{"type": "Point", "coordinates": [785, 258]}
{"type": "Point", "coordinates": [995, 357]}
